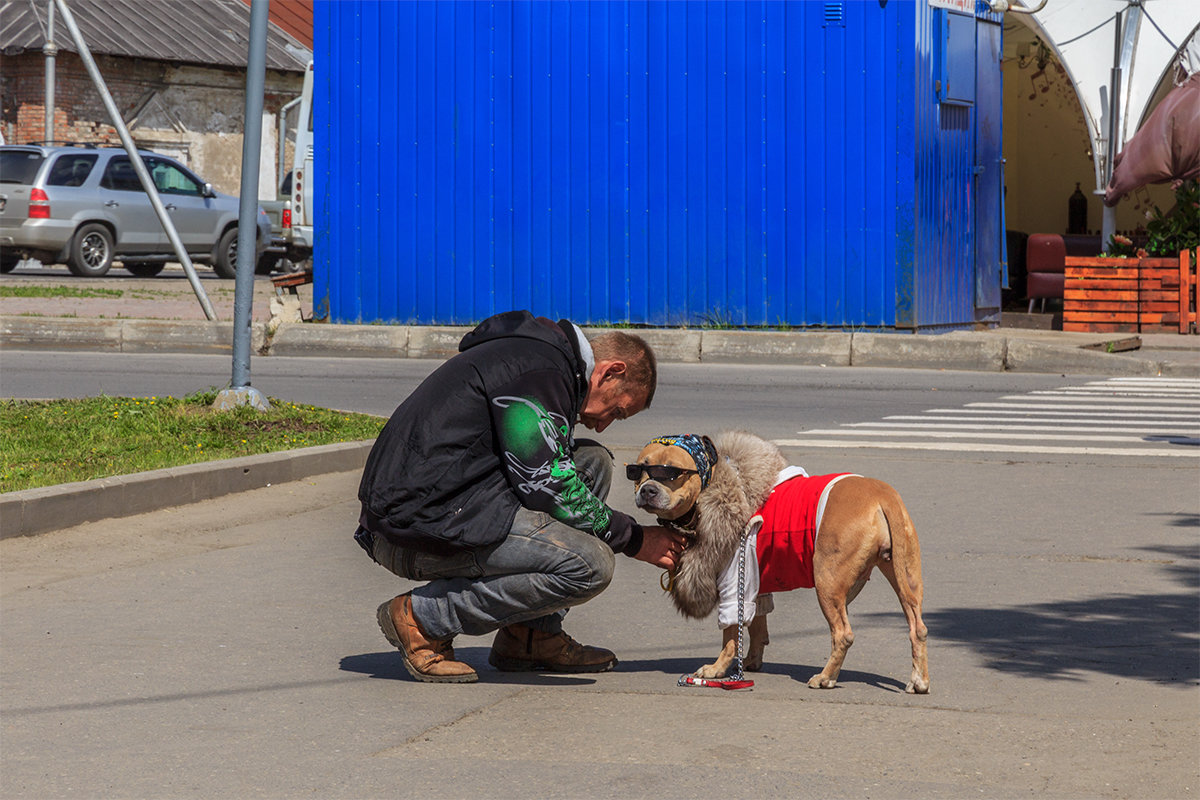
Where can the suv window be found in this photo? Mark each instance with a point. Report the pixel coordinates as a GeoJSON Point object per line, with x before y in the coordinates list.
{"type": "Point", "coordinates": [19, 166]}
{"type": "Point", "coordinates": [71, 169]}
{"type": "Point", "coordinates": [119, 175]}
{"type": "Point", "coordinates": [170, 179]}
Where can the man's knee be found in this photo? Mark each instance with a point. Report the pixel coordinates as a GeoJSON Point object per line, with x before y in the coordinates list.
{"type": "Point", "coordinates": [590, 571]}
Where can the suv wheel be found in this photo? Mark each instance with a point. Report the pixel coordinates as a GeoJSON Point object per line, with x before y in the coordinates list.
{"type": "Point", "coordinates": [226, 264]}
{"type": "Point", "coordinates": [145, 269]}
{"type": "Point", "coordinates": [91, 251]}
{"type": "Point", "coordinates": [266, 263]}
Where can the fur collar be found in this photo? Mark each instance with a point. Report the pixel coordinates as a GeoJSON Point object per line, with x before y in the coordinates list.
{"type": "Point", "coordinates": [746, 470]}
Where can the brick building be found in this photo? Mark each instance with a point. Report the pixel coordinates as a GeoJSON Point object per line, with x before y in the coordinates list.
{"type": "Point", "coordinates": [175, 69]}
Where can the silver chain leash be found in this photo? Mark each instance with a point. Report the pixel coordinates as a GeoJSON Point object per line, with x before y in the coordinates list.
{"type": "Point", "coordinates": [736, 679]}
{"type": "Point", "coordinates": [738, 674]}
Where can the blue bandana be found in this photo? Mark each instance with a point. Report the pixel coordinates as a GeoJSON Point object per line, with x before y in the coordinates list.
{"type": "Point", "coordinates": [700, 449]}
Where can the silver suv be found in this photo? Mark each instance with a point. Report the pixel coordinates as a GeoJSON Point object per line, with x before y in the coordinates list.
{"type": "Point", "coordinates": [85, 206]}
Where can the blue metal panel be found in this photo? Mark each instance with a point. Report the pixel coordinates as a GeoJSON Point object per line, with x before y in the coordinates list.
{"type": "Point", "coordinates": [756, 163]}
{"type": "Point", "coordinates": [989, 158]}
{"type": "Point", "coordinates": [945, 286]}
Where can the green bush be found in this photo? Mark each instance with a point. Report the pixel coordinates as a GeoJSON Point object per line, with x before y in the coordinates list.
{"type": "Point", "coordinates": [1178, 229]}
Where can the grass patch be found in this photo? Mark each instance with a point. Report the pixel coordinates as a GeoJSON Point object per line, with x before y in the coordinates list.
{"type": "Point", "coordinates": [57, 291]}
{"type": "Point", "coordinates": [43, 443]}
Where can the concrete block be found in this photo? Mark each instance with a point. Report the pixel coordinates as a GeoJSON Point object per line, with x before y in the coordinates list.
{"type": "Point", "coordinates": [60, 333]}
{"type": "Point", "coordinates": [332, 341]}
{"type": "Point", "coordinates": [176, 336]}
{"type": "Point", "coordinates": [435, 341]}
{"type": "Point", "coordinates": [51, 508]}
{"type": "Point", "coordinates": [982, 352]}
{"type": "Point", "coordinates": [1029, 356]}
{"type": "Point", "coordinates": [674, 344]}
{"type": "Point", "coordinates": [815, 348]}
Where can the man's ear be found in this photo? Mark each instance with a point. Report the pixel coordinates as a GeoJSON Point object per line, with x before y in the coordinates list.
{"type": "Point", "coordinates": [616, 370]}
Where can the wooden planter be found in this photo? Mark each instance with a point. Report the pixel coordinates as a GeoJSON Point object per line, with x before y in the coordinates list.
{"type": "Point", "coordinates": [1131, 295]}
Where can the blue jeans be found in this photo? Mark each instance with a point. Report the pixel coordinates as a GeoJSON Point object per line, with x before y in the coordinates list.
{"type": "Point", "coordinates": [533, 576]}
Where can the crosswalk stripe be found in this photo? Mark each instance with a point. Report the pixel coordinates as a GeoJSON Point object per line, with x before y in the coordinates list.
{"type": "Point", "coordinates": [1084, 406]}
{"type": "Point", "coordinates": [1164, 414]}
{"type": "Point", "coordinates": [989, 448]}
{"type": "Point", "coordinates": [966, 426]}
{"type": "Point", "coordinates": [1046, 423]}
{"type": "Point", "coordinates": [1173, 438]}
{"type": "Point", "coordinates": [1117, 400]}
{"type": "Point", "coordinates": [1055, 413]}
{"type": "Point", "coordinates": [1150, 381]}
{"type": "Point", "coordinates": [1130, 395]}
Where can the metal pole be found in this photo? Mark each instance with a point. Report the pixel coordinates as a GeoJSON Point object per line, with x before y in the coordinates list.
{"type": "Point", "coordinates": [281, 161]}
{"type": "Point", "coordinates": [50, 51]}
{"type": "Point", "coordinates": [1108, 216]}
{"type": "Point", "coordinates": [135, 158]}
{"type": "Point", "coordinates": [240, 392]}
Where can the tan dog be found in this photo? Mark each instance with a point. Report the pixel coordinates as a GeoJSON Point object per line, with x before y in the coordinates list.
{"type": "Point", "coordinates": [716, 493]}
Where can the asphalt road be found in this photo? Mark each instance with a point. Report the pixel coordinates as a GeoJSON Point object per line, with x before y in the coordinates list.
{"type": "Point", "coordinates": [775, 401]}
{"type": "Point", "coordinates": [229, 649]}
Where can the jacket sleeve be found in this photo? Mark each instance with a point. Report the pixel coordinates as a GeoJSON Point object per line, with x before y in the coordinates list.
{"type": "Point", "coordinates": [533, 433]}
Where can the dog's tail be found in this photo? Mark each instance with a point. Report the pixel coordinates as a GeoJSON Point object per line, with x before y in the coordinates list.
{"type": "Point", "coordinates": [905, 577]}
{"type": "Point", "coordinates": [906, 549]}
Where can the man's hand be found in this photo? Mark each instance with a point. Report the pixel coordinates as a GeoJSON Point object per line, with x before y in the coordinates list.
{"type": "Point", "coordinates": [660, 546]}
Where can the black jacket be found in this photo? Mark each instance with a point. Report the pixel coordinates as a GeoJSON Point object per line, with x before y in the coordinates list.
{"type": "Point", "coordinates": [488, 432]}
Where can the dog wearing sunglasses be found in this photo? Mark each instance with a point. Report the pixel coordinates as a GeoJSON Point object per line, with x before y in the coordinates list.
{"type": "Point", "coordinates": [738, 495]}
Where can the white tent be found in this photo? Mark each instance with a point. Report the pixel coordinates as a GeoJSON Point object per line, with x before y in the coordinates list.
{"type": "Point", "coordinates": [1155, 36]}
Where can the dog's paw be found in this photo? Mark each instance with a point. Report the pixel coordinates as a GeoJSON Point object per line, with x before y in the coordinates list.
{"type": "Point", "coordinates": [709, 671]}
{"type": "Point", "coordinates": [753, 662]}
{"type": "Point", "coordinates": [821, 682]}
{"type": "Point", "coordinates": [917, 687]}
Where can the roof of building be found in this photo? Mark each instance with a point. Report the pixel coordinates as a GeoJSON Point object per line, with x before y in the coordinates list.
{"type": "Point", "coordinates": [205, 32]}
{"type": "Point", "coordinates": [295, 17]}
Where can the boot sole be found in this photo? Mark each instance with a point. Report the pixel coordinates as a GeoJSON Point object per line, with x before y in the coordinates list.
{"type": "Point", "coordinates": [384, 616]}
{"type": "Point", "coordinates": [507, 664]}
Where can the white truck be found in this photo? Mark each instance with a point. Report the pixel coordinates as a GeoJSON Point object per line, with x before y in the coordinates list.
{"type": "Point", "coordinates": [292, 212]}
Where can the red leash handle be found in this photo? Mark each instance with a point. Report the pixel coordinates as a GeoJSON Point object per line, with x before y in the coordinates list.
{"type": "Point", "coordinates": [692, 680]}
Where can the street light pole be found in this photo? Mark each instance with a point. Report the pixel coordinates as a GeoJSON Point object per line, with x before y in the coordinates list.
{"type": "Point", "coordinates": [50, 50]}
{"type": "Point", "coordinates": [240, 392]}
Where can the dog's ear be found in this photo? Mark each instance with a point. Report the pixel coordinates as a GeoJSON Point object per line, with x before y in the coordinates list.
{"type": "Point", "coordinates": [709, 448]}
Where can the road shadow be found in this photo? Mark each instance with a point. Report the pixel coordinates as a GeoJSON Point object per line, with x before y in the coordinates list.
{"type": "Point", "coordinates": [797, 672]}
{"type": "Point", "coordinates": [388, 665]}
{"type": "Point", "coordinates": [1151, 637]}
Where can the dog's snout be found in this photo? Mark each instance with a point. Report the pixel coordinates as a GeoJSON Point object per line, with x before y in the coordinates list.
{"type": "Point", "coordinates": [648, 495]}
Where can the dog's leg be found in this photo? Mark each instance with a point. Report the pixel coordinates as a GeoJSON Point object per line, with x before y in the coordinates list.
{"type": "Point", "coordinates": [833, 605]}
{"type": "Point", "coordinates": [855, 589]}
{"type": "Point", "coordinates": [720, 667]}
{"type": "Point", "coordinates": [759, 639]}
{"type": "Point", "coordinates": [904, 574]}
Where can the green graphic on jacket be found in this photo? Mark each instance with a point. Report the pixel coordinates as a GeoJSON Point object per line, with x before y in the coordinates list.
{"type": "Point", "coordinates": [536, 446]}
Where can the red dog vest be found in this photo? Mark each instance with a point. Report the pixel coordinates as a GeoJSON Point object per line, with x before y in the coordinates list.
{"type": "Point", "coordinates": [789, 533]}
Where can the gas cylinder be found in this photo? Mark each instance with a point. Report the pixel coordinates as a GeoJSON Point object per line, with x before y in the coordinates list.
{"type": "Point", "coordinates": [1077, 212]}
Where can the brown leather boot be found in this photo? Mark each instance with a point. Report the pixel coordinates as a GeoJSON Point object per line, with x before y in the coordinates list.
{"type": "Point", "coordinates": [426, 659]}
{"type": "Point", "coordinates": [519, 648]}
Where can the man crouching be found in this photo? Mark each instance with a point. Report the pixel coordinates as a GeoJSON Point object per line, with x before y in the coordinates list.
{"type": "Point", "coordinates": [477, 485]}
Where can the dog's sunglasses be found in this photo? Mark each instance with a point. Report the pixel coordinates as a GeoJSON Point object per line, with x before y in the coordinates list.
{"type": "Point", "coordinates": [658, 472]}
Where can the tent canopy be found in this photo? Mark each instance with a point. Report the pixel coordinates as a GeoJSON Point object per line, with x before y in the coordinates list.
{"type": "Point", "coordinates": [1083, 34]}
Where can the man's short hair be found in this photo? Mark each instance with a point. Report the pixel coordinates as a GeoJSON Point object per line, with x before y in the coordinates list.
{"type": "Point", "coordinates": [640, 364]}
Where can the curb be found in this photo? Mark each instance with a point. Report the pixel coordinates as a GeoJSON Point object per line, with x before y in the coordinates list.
{"type": "Point", "coordinates": [958, 350]}
{"type": "Point", "coordinates": [50, 508]}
